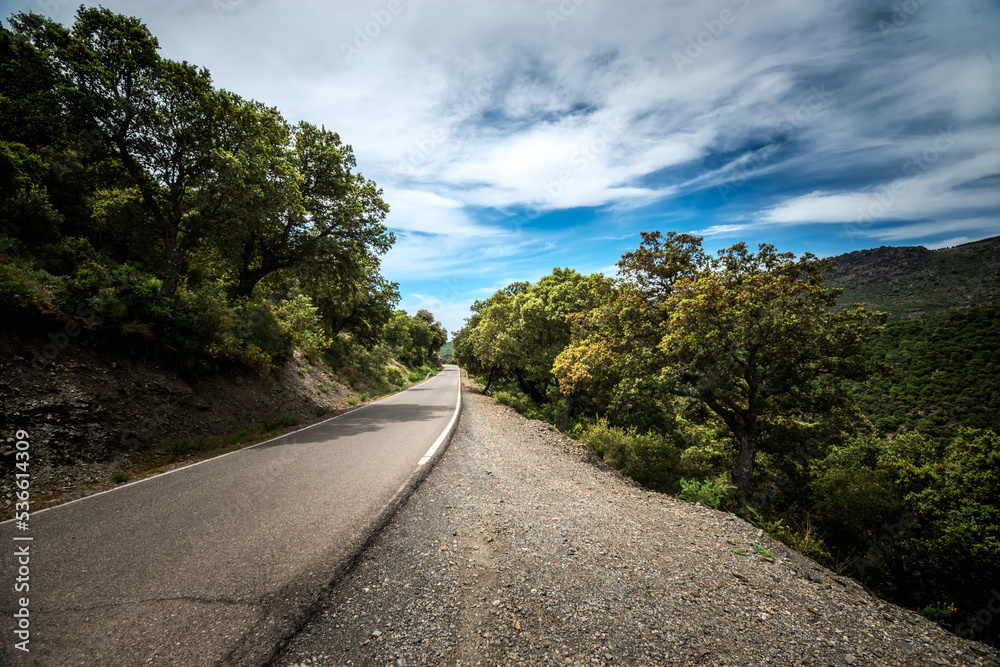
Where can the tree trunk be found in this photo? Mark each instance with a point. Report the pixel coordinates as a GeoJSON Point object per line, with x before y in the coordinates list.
{"type": "Point", "coordinates": [247, 282]}
{"type": "Point", "coordinates": [172, 262]}
{"type": "Point", "coordinates": [489, 381]}
{"type": "Point", "coordinates": [743, 471]}
{"type": "Point", "coordinates": [564, 413]}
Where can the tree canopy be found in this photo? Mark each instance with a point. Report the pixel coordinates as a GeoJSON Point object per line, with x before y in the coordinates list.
{"type": "Point", "coordinates": [112, 155]}
{"type": "Point", "coordinates": [754, 337]}
{"type": "Point", "coordinates": [518, 332]}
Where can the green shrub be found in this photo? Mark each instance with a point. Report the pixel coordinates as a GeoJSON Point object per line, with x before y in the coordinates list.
{"type": "Point", "coordinates": [518, 401]}
{"type": "Point", "coordinates": [17, 288]}
{"type": "Point", "coordinates": [650, 459]}
{"type": "Point", "coordinates": [85, 283]}
{"type": "Point", "coordinates": [256, 324]}
{"type": "Point", "coordinates": [806, 540]}
{"type": "Point", "coordinates": [709, 493]}
{"type": "Point", "coordinates": [938, 612]}
{"type": "Point", "coordinates": [394, 377]}
{"type": "Point", "coordinates": [180, 447]}
{"type": "Point", "coordinates": [21, 283]}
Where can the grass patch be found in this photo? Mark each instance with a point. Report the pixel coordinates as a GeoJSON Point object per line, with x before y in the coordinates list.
{"type": "Point", "coordinates": [279, 422]}
{"type": "Point", "coordinates": [238, 436]}
{"type": "Point", "coordinates": [180, 447]}
{"type": "Point", "coordinates": [321, 410]}
{"type": "Point", "coordinates": [120, 476]}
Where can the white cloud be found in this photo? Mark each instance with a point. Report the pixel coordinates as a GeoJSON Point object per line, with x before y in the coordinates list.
{"type": "Point", "coordinates": [464, 110]}
{"type": "Point", "coordinates": [933, 193]}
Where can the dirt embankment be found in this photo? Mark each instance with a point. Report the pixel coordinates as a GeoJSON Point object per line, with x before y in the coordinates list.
{"type": "Point", "coordinates": [95, 405]}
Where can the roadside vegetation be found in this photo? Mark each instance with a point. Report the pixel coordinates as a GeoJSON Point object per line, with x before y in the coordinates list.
{"type": "Point", "coordinates": [740, 382]}
{"type": "Point", "coordinates": [169, 218]}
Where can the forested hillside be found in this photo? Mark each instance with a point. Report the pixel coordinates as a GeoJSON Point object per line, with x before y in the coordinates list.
{"type": "Point", "coordinates": [747, 381]}
{"type": "Point", "coordinates": [942, 372]}
{"type": "Point", "coordinates": [908, 282]}
{"type": "Point", "coordinates": [941, 348]}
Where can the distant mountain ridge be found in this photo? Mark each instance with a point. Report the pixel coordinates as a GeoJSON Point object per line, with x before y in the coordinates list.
{"type": "Point", "coordinates": [910, 281]}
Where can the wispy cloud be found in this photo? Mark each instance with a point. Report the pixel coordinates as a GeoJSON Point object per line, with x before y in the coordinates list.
{"type": "Point", "coordinates": [508, 141]}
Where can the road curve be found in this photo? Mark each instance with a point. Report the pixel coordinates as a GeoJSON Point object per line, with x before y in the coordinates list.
{"type": "Point", "coordinates": [217, 562]}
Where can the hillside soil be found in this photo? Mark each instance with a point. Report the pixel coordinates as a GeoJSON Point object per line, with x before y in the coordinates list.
{"type": "Point", "coordinates": [93, 411]}
{"type": "Point", "coordinates": [522, 548]}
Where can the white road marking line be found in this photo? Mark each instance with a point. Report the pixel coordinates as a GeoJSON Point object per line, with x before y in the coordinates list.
{"type": "Point", "coordinates": [447, 429]}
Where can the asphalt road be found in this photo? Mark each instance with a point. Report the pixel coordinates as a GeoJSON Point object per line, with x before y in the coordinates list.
{"type": "Point", "coordinates": [218, 562]}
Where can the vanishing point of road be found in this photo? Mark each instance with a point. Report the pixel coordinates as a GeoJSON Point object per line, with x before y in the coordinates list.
{"type": "Point", "coordinates": [217, 562]}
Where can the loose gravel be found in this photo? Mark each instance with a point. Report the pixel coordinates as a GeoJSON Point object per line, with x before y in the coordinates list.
{"type": "Point", "coordinates": [522, 548]}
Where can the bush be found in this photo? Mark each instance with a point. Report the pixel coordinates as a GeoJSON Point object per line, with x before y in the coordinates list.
{"type": "Point", "coordinates": [907, 507]}
{"type": "Point", "coordinates": [20, 283]}
{"type": "Point", "coordinates": [650, 459]}
{"type": "Point", "coordinates": [806, 540]}
{"type": "Point", "coordinates": [394, 377]}
{"type": "Point", "coordinates": [85, 283]}
{"type": "Point", "coordinates": [17, 288]}
{"type": "Point", "coordinates": [257, 324]}
{"type": "Point", "coordinates": [518, 401]}
{"type": "Point", "coordinates": [709, 493]}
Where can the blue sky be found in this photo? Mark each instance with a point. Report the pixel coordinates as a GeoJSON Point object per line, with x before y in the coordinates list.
{"type": "Point", "coordinates": [513, 136]}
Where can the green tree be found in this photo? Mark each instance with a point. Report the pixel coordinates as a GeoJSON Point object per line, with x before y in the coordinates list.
{"type": "Point", "coordinates": [300, 202]}
{"type": "Point", "coordinates": [439, 335]}
{"type": "Point", "coordinates": [162, 120]}
{"type": "Point", "coordinates": [923, 520]}
{"type": "Point", "coordinates": [485, 345]}
{"type": "Point", "coordinates": [753, 337]}
{"type": "Point", "coordinates": [517, 333]}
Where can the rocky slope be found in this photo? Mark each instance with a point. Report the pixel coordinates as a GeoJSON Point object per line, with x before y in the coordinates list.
{"type": "Point", "coordinates": [909, 282]}
{"type": "Point", "coordinates": [521, 548]}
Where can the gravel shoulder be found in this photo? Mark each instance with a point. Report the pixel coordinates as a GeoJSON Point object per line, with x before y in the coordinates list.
{"type": "Point", "coordinates": [522, 548]}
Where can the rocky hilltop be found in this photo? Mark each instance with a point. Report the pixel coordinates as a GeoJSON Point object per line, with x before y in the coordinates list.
{"type": "Point", "coordinates": [910, 282]}
{"type": "Point", "coordinates": [878, 265]}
